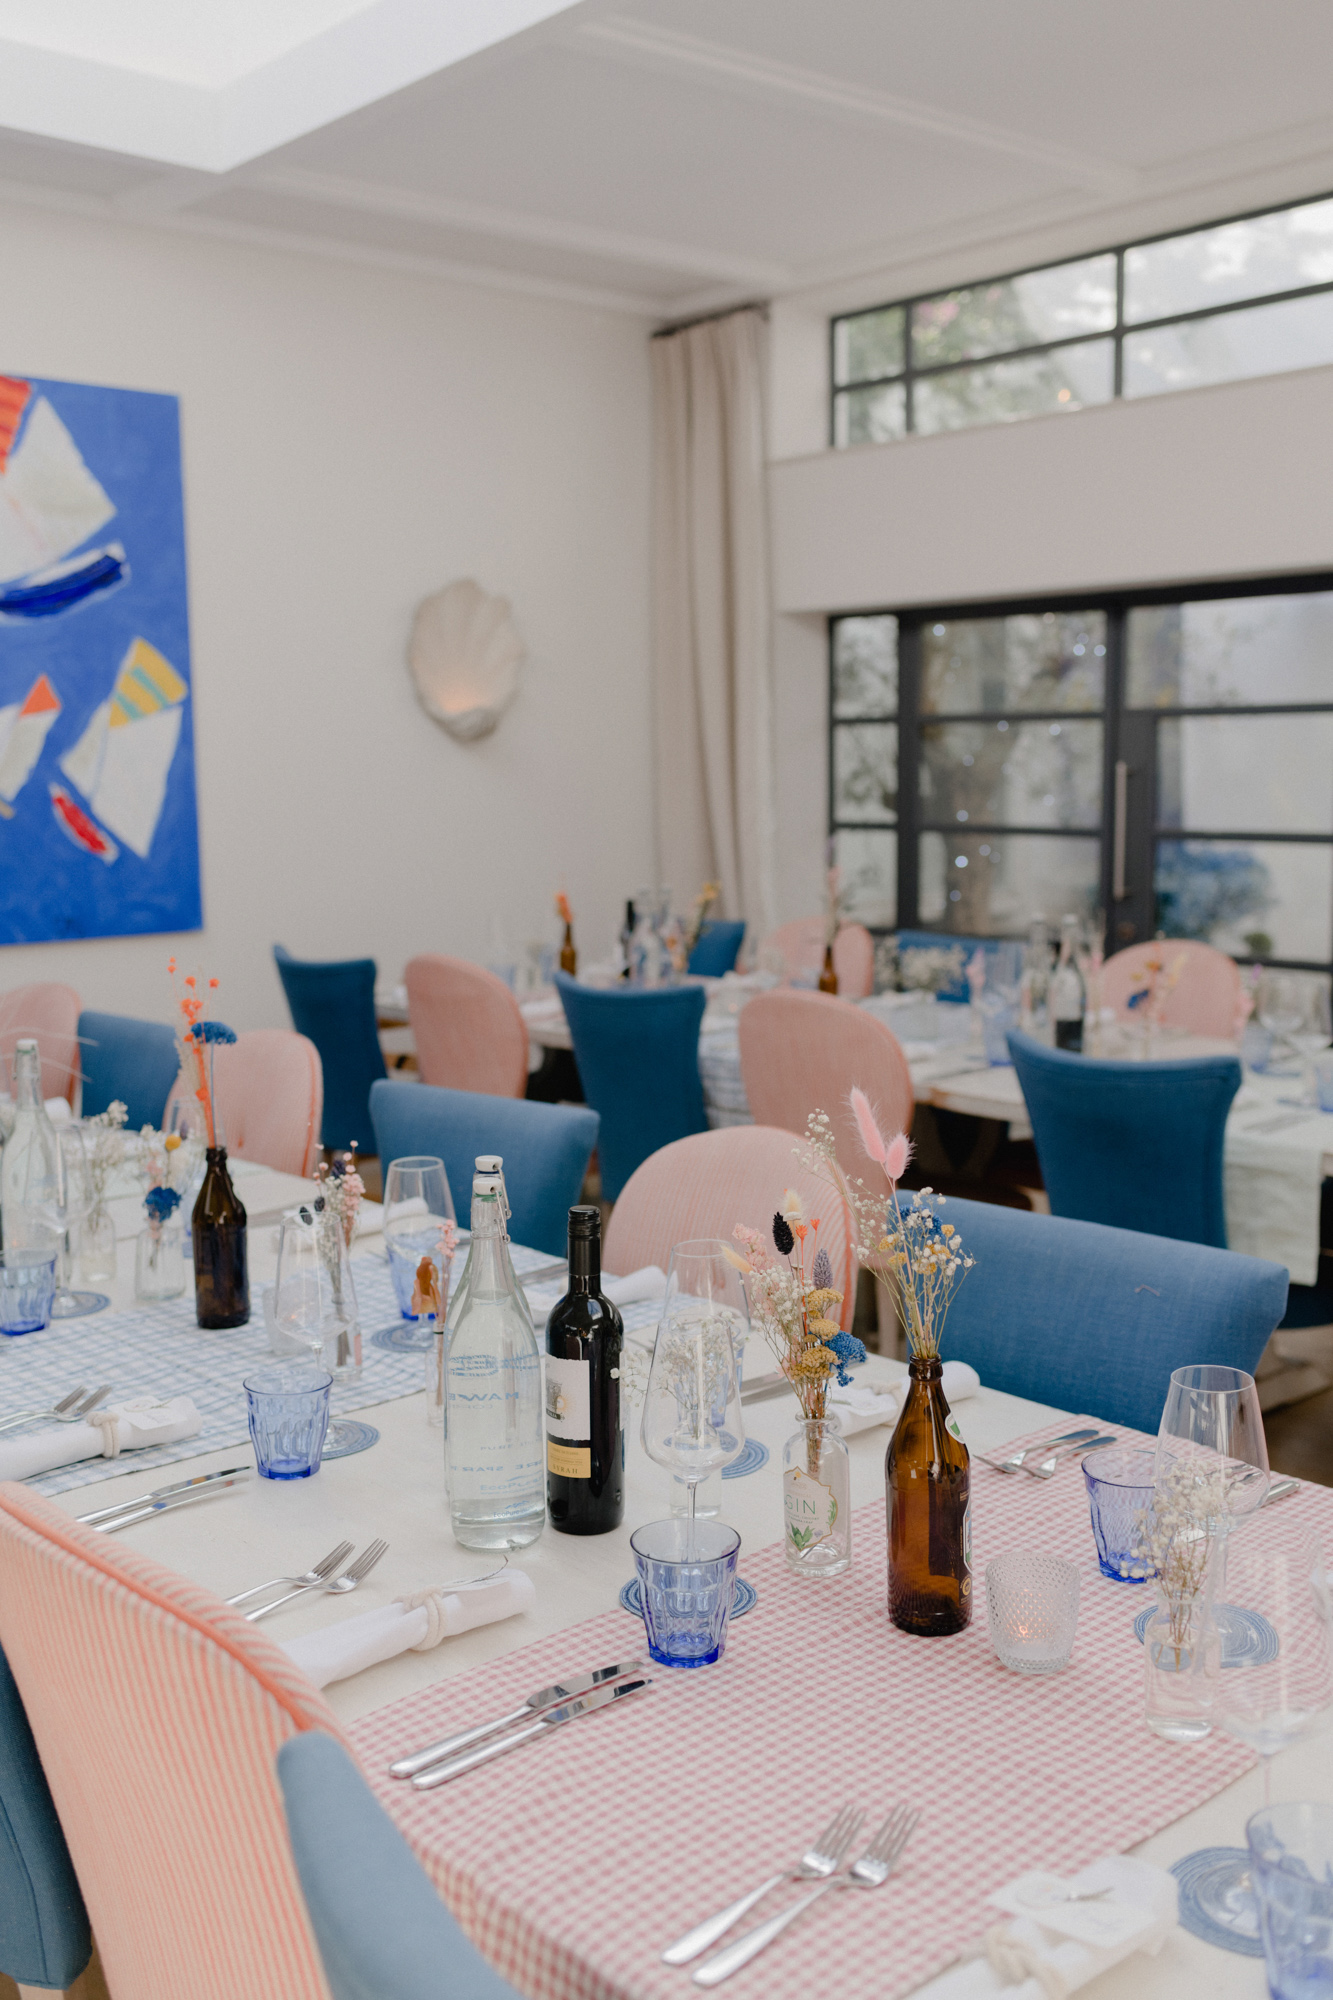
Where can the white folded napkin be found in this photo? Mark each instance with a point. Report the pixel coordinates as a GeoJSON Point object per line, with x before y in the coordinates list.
{"type": "Point", "coordinates": [866, 1404]}
{"type": "Point", "coordinates": [1047, 1944]}
{"type": "Point", "coordinates": [648, 1283]}
{"type": "Point", "coordinates": [128, 1426]}
{"type": "Point", "coordinates": [412, 1624]}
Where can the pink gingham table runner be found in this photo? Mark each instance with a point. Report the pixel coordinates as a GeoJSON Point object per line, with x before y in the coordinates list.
{"type": "Point", "coordinates": [573, 1861]}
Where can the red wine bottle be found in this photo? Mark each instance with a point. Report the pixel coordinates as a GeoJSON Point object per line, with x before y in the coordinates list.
{"type": "Point", "coordinates": [585, 1440]}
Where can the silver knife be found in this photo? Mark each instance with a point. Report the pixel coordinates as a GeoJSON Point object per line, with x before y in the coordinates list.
{"type": "Point", "coordinates": [551, 1697]}
{"type": "Point", "coordinates": [227, 1472]}
{"type": "Point", "coordinates": [757, 1388]}
{"type": "Point", "coordinates": [1065, 1453]}
{"type": "Point", "coordinates": [553, 1718]}
{"type": "Point", "coordinates": [166, 1507]}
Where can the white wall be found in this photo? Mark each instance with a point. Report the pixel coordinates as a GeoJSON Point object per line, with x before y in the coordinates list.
{"type": "Point", "coordinates": [354, 439]}
{"type": "Point", "coordinates": [1205, 484]}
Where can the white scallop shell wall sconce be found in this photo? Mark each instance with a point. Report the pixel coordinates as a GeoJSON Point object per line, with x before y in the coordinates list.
{"type": "Point", "coordinates": [465, 654]}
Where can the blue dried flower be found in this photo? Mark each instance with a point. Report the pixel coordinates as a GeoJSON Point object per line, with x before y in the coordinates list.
{"type": "Point", "coordinates": [822, 1272]}
{"type": "Point", "coordinates": [783, 1239]}
{"type": "Point", "coordinates": [1137, 999]}
{"type": "Point", "coordinates": [213, 1031]}
{"type": "Point", "coordinates": [161, 1202]}
{"type": "Point", "coordinates": [845, 1348]}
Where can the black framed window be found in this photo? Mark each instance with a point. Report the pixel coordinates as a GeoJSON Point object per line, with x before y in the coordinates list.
{"type": "Point", "coordinates": [1166, 757]}
{"type": "Point", "coordinates": [1251, 296]}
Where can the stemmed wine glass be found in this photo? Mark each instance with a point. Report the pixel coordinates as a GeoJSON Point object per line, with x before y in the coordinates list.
{"type": "Point", "coordinates": [417, 1201]}
{"type": "Point", "coordinates": [1212, 1415]}
{"type": "Point", "coordinates": [1276, 1686]}
{"type": "Point", "coordinates": [74, 1198]}
{"type": "Point", "coordinates": [1312, 1036]}
{"type": "Point", "coordinates": [314, 1303]}
{"type": "Point", "coordinates": [1282, 1006]}
{"type": "Point", "coordinates": [692, 1407]}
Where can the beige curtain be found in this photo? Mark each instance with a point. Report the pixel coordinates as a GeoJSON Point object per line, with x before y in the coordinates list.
{"type": "Point", "coordinates": [711, 620]}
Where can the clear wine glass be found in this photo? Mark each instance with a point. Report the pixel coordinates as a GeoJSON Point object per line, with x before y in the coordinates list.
{"type": "Point", "coordinates": [692, 1407]}
{"type": "Point", "coordinates": [417, 1202]}
{"type": "Point", "coordinates": [314, 1306]}
{"type": "Point", "coordinates": [1212, 1415]}
{"type": "Point", "coordinates": [1282, 1005]}
{"type": "Point", "coordinates": [74, 1205]}
{"type": "Point", "coordinates": [1276, 1686]}
{"type": "Point", "coordinates": [1312, 1036]}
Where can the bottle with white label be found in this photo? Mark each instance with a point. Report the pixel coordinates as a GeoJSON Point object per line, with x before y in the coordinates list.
{"type": "Point", "coordinates": [493, 1392]}
{"type": "Point", "coordinates": [585, 1439]}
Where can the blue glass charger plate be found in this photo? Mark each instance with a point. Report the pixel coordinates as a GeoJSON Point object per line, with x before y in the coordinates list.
{"type": "Point", "coordinates": [407, 1336]}
{"type": "Point", "coordinates": [1195, 1873]}
{"type": "Point", "coordinates": [352, 1437]}
{"type": "Point", "coordinates": [1248, 1640]}
{"type": "Point", "coordinates": [88, 1302]}
{"type": "Point", "coordinates": [745, 1595]}
{"type": "Point", "coordinates": [750, 1460]}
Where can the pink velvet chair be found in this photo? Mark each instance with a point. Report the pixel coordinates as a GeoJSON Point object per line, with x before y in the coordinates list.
{"type": "Point", "coordinates": [270, 1096]}
{"type": "Point", "coordinates": [804, 1052]}
{"type": "Point", "coordinates": [1205, 1000]}
{"type": "Point", "coordinates": [800, 944]}
{"type": "Point", "coordinates": [158, 1713]}
{"type": "Point", "coordinates": [50, 1014]}
{"type": "Point", "coordinates": [706, 1184]}
{"type": "Point", "coordinates": [467, 1027]}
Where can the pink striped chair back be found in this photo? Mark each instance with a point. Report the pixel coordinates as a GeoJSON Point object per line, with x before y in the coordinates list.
{"type": "Point", "coordinates": [158, 1713]}
{"type": "Point", "coordinates": [706, 1184]}
{"type": "Point", "coordinates": [50, 1014]}
{"type": "Point", "coordinates": [804, 1052]}
{"type": "Point", "coordinates": [270, 1095]}
{"type": "Point", "coordinates": [800, 944]}
{"type": "Point", "coordinates": [1205, 998]}
{"type": "Point", "coordinates": [467, 1027]}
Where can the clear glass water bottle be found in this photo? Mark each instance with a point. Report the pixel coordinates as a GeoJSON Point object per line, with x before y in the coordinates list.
{"type": "Point", "coordinates": [30, 1179]}
{"type": "Point", "coordinates": [495, 1460]}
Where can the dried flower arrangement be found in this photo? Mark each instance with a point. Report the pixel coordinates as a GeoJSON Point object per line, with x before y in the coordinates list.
{"type": "Point", "coordinates": [921, 1257]}
{"type": "Point", "coordinates": [195, 1042]}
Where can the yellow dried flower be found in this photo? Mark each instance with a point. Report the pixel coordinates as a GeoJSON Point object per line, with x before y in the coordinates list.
{"type": "Point", "coordinates": [818, 1302]}
{"type": "Point", "coordinates": [825, 1328]}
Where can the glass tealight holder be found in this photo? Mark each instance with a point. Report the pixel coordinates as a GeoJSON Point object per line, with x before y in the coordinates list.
{"type": "Point", "coordinates": [27, 1287]}
{"type": "Point", "coordinates": [687, 1577]}
{"type": "Point", "coordinates": [1119, 1479]}
{"type": "Point", "coordinates": [159, 1265]}
{"type": "Point", "coordinates": [1032, 1604]}
{"type": "Point", "coordinates": [288, 1407]}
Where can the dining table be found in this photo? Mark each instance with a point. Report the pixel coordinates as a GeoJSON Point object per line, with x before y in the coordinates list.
{"type": "Point", "coordinates": [710, 1778]}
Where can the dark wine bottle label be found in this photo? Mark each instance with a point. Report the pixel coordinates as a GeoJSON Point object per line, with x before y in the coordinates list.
{"type": "Point", "coordinates": [569, 1461]}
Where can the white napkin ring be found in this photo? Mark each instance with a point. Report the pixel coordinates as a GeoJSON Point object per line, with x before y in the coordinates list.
{"type": "Point", "coordinates": [1012, 1962]}
{"type": "Point", "coordinates": [432, 1603]}
{"type": "Point", "coordinates": [108, 1422]}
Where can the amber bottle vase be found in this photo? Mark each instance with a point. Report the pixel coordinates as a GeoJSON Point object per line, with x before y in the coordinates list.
{"type": "Point", "coordinates": [221, 1275]}
{"type": "Point", "coordinates": [927, 1479]}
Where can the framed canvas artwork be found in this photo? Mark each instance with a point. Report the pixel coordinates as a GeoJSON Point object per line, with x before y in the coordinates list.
{"type": "Point", "coordinates": [98, 822]}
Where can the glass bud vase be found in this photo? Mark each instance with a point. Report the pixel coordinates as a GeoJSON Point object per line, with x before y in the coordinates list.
{"type": "Point", "coordinates": [159, 1264]}
{"type": "Point", "coordinates": [1182, 1653]}
{"type": "Point", "coordinates": [817, 1499]}
{"type": "Point", "coordinates": [221, 1273]}
{"type": "Point", "coordinates": [97, 1246]}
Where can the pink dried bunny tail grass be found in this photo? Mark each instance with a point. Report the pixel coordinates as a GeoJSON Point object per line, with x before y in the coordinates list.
{"type": "Point", "coordinates": [891, 1154]}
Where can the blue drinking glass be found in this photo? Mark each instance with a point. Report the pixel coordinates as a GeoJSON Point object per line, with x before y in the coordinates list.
{"type": "Point", "coordinates": [1119, 1479]}
{"type": "Point", "coordinates": [1291, 1868]}
{"type": "Point", "coordinates": [687, 1574]}
{"type": "Point", "coordinates": [288, 1407]}
{"type": "Point", "coordinates": [27, 1287]}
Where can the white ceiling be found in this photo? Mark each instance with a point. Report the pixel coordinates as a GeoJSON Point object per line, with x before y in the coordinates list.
{"type": "Point", "coordinates": [665, 156]}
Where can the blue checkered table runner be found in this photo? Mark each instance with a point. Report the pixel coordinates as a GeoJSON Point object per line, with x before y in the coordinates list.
{"type": "Point", "coordinates": [159, 1350]}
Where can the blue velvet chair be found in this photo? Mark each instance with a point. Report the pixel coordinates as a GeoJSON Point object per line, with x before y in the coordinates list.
{"type": "Point", "coordinates": [717, 950]}
{"type": "Point", "coordinates": [45, 1938]}
{"type": "Point", "coordinates": [333, 1005]}
{"type": "Point", "coordinates": [1137, 1145]}
{"type": "Point", "coordinates": [545, 1147]}
{"type": "Point", "coordinates": [1094, 1320]}
{"type": "Point", "coordinates": [382, 1931]}
{"type": "Point", "coordinates": [135, 1061]}
{"type": "Point", "coordinates": [638, 1057]}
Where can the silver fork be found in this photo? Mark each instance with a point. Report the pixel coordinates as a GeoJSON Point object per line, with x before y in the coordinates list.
{"type": "Point", "coordinates": [69, 1410]}
{"type": "Point", "coordinates": [822, 1858]}
{"type": "Point", "coordinates": [354, 1574]}
{"type": "Point", "coordinates": [1016, 1458]}
{"type": "Point", "coordinates": [1050, 1466]}
{"type": "Point", "coordinates": [871, 1871]}
{"type": "Point", "coordinates": [322, 1571]}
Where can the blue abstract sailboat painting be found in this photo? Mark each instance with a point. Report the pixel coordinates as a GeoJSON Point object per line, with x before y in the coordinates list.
{"type": "Point", "coordinates": [98, 821]}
